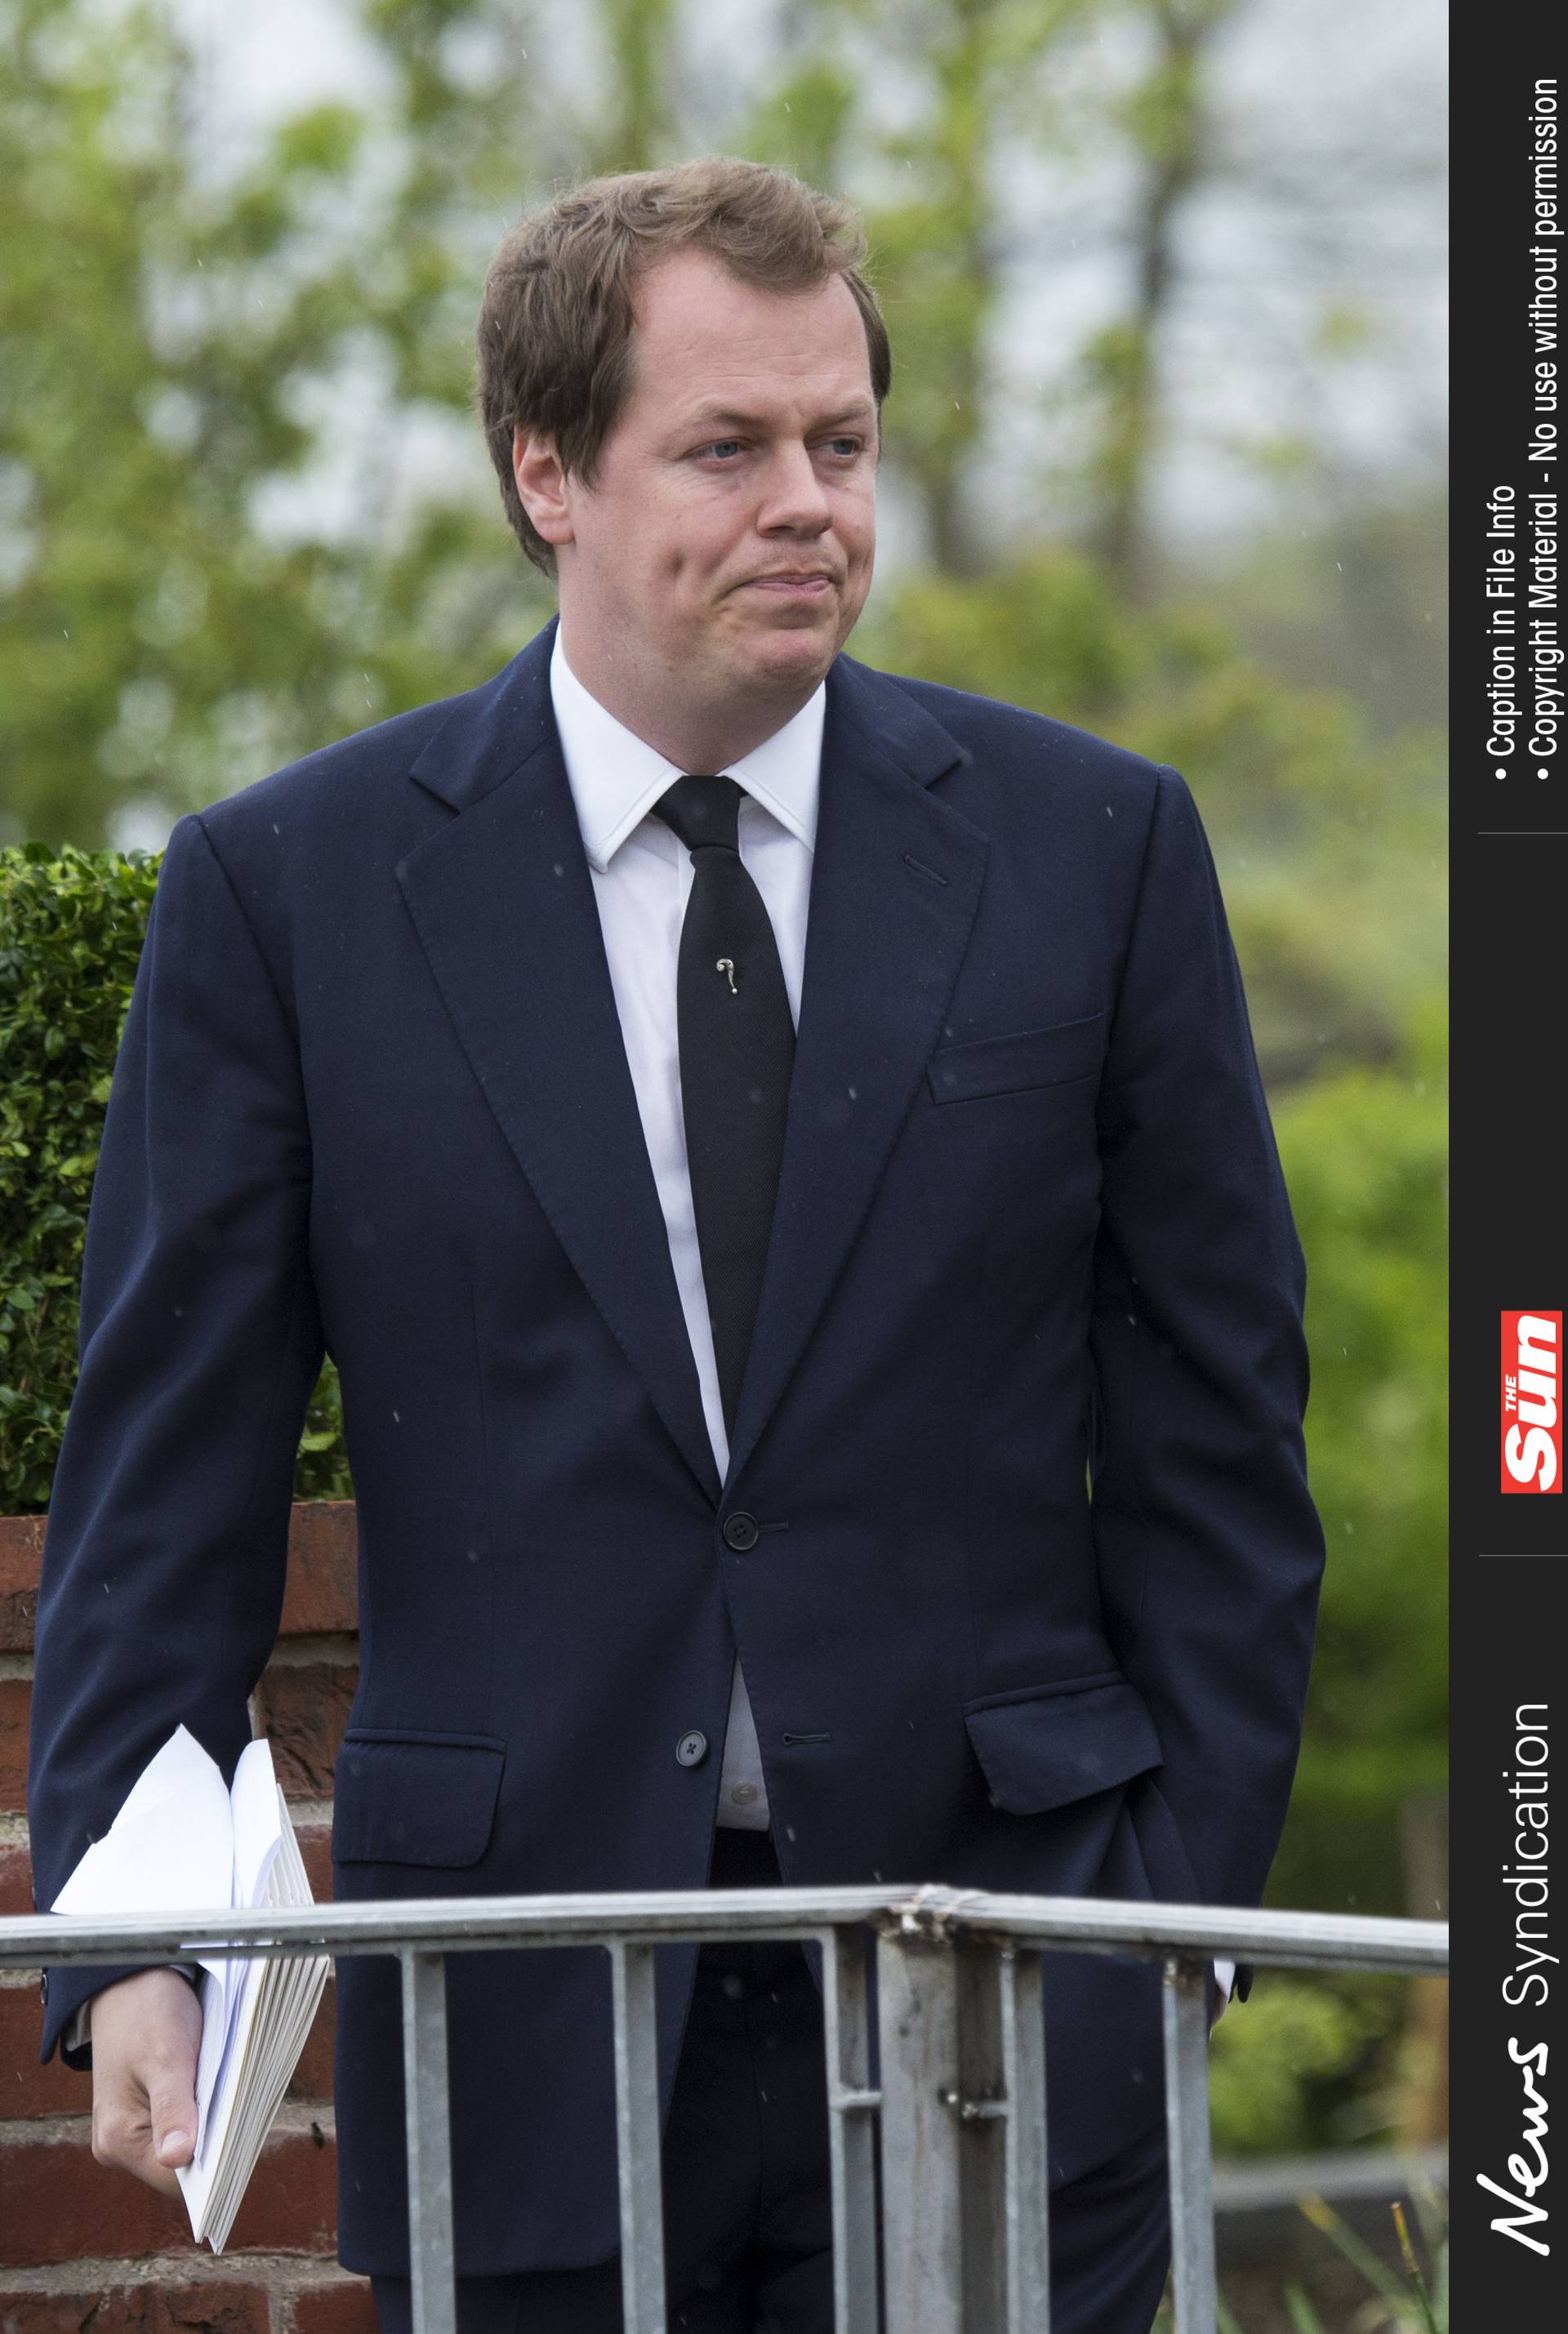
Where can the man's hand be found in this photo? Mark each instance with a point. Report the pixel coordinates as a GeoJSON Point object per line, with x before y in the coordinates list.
{"type": "Point", "coordinates": [146, 2035]}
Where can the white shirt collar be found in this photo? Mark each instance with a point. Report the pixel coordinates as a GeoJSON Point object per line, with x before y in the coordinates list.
{"type": "Point", "coordinates": [616, 778]}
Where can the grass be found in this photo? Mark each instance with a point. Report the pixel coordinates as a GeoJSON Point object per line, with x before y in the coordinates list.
{"type": "Point", "coordinates": [1393, 2305]}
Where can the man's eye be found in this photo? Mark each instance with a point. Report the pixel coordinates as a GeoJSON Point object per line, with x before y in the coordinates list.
{"type": "Point", "coordinates": [721, 446]}
{"type": "Point", "coordinates": [852, 445]}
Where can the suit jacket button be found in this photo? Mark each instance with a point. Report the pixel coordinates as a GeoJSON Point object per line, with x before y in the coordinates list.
{"type": "Point", "coordinates": [692, 1749]}
{"type": "Point", "coordinates": [740, 1531]}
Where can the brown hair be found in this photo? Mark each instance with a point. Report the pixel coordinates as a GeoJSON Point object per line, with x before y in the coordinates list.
{"type": "Point", "coordinates": [555, 323]}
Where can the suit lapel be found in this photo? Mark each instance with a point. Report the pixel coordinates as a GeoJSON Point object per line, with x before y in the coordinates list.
{"type": "Point", "coordinates": [895, 884]}
{"type": "Point", "coordinates": [503, 902]}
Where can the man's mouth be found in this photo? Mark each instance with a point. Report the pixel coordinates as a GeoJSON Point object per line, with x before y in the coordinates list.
{"type": "Point", "coordinates": [793, 588]}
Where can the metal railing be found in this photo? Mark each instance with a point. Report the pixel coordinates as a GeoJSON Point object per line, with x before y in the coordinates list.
{"type": "Point", "coordinates": [961, 2101]}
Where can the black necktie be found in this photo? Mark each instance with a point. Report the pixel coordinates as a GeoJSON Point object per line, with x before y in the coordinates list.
{"type": "Point", "coordinates": [737, 1047]}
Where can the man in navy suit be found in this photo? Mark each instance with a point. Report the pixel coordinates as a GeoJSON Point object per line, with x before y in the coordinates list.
{"type": "Point", "coordinates": [759, 1138]}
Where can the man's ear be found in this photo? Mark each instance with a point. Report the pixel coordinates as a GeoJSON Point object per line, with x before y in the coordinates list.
{"type": "Point", "coordinates": [541, 487]}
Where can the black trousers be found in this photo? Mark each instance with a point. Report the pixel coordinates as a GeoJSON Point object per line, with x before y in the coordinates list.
{"type": "Point", "coordinates": [748, 2217]}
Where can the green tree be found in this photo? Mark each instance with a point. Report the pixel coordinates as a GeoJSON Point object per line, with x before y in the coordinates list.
{"type": "Point", "coordinates": [1364, 1156]}
{"type": "Point", "coordinates": [933, 202]}
{"type": "Point", "coordinates": [1166, 118]}
{"type": "Point", "coordinates": [162, 336]}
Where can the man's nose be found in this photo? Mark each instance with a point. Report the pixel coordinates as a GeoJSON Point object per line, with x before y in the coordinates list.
{"type": "Point", "coordinates": [793, 495]}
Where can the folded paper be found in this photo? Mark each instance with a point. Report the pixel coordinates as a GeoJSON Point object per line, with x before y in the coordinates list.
{"type": "Point", "coordinates": [182, 1843]}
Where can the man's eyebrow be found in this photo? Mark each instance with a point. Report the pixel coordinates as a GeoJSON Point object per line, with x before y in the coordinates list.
{"type": "Point", "coordinates": [707, 416]}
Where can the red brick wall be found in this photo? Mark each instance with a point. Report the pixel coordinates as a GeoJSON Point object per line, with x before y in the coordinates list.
{"type": "Point", "coordinates": [77, 2243]}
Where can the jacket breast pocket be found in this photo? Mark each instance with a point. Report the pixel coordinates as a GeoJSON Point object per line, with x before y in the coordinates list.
{"type": "Point", "coordinates": [1020, 1058]}
{"type": "Point", "coordinates": [414, 1798]}
{"type": "Point", "coordinates": [1041, 1746]}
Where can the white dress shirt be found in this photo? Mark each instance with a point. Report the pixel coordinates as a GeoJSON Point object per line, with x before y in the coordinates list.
{"type": "Point", "coordinates": [642, 877]}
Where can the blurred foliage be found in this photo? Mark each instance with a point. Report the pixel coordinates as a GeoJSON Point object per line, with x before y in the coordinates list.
{"type": "Point", "coordinates": [234, 524]}
{"type": "Point", "coordinates": [1282, 2067]}
{"type": "Point", "coordinates": [1365, 1159]}
{"type": "Point", "coordinates": [162, 336]}
{"type": "Point", "coordinates": [71, 932]}
{"type": "Point", "coordinates": [1415, 2300]}
{"type": "Point", "coordinates": [1357, 601]}
{"type": "Point", "coordinates": [322, 1469]}
{"type": "Point", "coordinates": [1412, 2299]}
{"type": "Point", "coordinates": [71, 926]}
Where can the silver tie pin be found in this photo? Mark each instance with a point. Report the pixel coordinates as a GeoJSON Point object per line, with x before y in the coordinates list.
{"type": "Point", "coordinates": [726, 964]}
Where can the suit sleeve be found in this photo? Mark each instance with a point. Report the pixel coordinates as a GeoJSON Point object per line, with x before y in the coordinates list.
{"type": "Point", "coordinates": [1207, 1545]}
{"type": "Point", "coordinates": [199, 1344]}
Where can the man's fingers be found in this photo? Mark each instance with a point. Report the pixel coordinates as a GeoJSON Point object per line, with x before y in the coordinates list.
{"type": "Point", "coordinates": [168, 2075]}
{"type": "Point", "coordinates": [173, 2117]}
{"type": "Point", "coordinates": [147, 2125]}
{"type": "Point", "coordinates": [146, 2036]}
{"type": "Point", "coordinates": [122, 2139]}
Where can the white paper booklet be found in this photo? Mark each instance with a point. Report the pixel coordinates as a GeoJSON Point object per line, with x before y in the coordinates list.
{"type": "Point", "coordinates": [182, 1844]}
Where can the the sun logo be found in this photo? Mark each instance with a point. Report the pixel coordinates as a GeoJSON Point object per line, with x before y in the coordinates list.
{"type": "Point", "coordinates": [1532, 1402]}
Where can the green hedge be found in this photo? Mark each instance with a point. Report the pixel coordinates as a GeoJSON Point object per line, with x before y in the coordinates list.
{"type": "Point", "coordinates": [72, 924]}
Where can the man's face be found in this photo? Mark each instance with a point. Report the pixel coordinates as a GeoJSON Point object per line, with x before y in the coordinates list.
{"type": "Point", "coordinates": [725, 549]}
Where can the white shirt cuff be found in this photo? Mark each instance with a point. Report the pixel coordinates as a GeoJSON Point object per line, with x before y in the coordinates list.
{"type": "Point", "coordinates": [1223, 1973]}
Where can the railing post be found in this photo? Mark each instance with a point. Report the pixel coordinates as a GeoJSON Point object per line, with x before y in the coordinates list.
{"type": "Point", "coordinates": [852, 2130]}
{"type": "Point", "coordinates": [638, 2138]}
{"type": "Point", "coordinates": [1027, 2199]}
{"type": "Point", "coordinates": [918, 2036]}
{"type": "Point", "coordinates": [982, 2112]}
{"type": "Point", "coordinates": [428, 2121]}
{"type": "Point", "coordinates": [1006, 2283]}
{"type": "Point", "coordinates": [1186, 2131]}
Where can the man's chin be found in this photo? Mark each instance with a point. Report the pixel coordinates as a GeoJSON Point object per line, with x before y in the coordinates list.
{"type": "Point", "coordinates": [788, 653]}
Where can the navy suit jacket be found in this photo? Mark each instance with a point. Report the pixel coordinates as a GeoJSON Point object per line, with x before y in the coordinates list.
{"type": "Point", "coordinates": [373, 1098]}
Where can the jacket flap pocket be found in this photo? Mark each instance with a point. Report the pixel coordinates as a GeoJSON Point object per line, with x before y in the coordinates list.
{"type": "Point", "coordinates": [1045, 1747]}
{"type": "Point", "coordinates": [1025, 1057]}
{"type": "Point", "coordinates": [414, 1798]}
